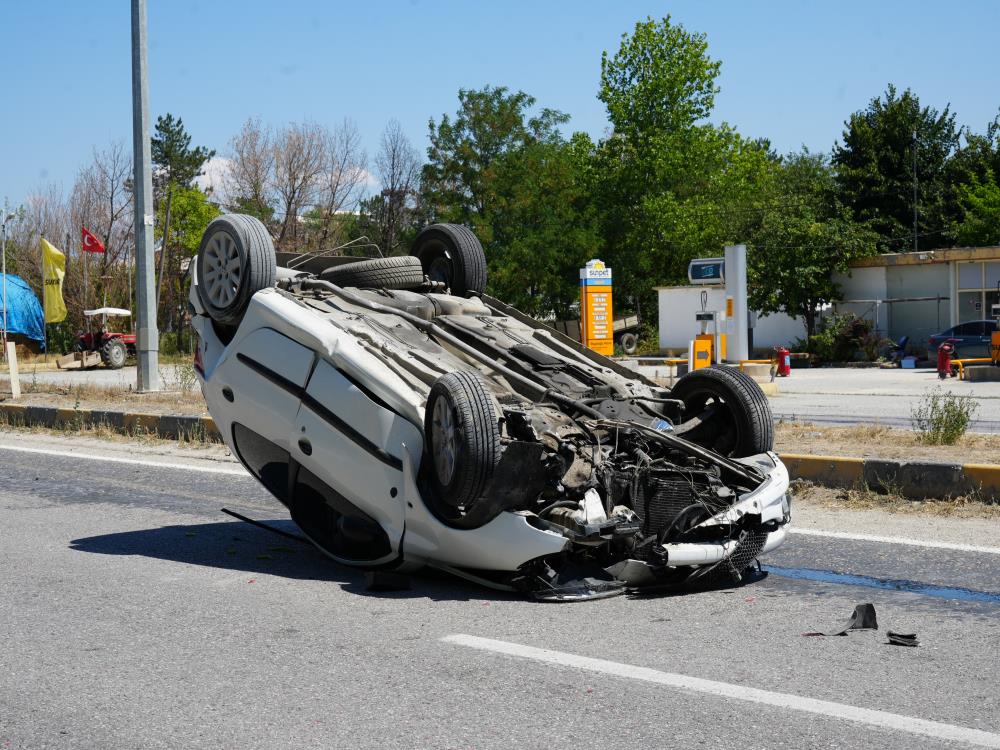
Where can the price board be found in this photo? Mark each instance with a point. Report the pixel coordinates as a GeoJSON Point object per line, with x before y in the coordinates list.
{"type": "Point", "coordinates": [596, 314]}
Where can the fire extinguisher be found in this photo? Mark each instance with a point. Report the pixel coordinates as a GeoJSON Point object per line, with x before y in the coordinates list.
{"type": "Point", "coordinates": [944, 352]}
{"type": "Point", "coordinates": [784, 361]}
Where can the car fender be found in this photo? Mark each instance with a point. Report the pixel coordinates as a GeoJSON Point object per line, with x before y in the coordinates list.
{"type": "Point", "coordinates": [505, 543]}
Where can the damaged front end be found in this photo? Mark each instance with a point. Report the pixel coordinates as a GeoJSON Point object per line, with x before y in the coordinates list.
{"type": "Point", "coordinates": [644, 509]}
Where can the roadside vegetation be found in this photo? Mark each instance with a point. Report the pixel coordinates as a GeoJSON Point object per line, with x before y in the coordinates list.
{"type": "Point", "coordinates": [881, 441]}
{"type": "Point", "coordinates": [865, 499]}
{"type": "Point", "coordinates": [942, 417]}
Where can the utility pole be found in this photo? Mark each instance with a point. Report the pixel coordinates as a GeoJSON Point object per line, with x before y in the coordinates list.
{"type": "Point", "coordinates": [914, 190]}
{"type": "Point", "coordinates": [148, 337]}
{"type": "Point", "coordinates": [5, 219]}
{"type": "Point", "coordinates": [3, 255]}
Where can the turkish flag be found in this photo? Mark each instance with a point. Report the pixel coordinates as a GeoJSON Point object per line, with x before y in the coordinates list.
{"type": "Point", "coordinates": [90, 243]}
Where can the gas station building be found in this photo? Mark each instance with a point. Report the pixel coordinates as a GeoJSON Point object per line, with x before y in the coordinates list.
{"type": "Point", "coordinates": [904, 294]}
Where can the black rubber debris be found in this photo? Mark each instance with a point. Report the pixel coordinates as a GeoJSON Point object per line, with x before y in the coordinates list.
{"type": "Point", "coordinates": [902, 639]}
{"type": "Point", "coordinates": [380, 580]}
{"type": "Point", "coordinates": [863, 618]}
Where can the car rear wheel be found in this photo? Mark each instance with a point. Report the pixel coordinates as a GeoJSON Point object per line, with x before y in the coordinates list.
{"type": "Point", "coordinates": [379, 273]}
{"type": "Point", "coordinates": [462, 442]}
{"type": "Point", "coordinates": [451, 254]}
{"type": "Point", "coordinates": [113, 354]}
{"type": "Point", "coordinates": [735, 416]}
{"type": "Point", "coordinates": [235, 261]}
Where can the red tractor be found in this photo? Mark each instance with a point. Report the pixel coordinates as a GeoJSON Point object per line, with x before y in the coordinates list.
{"type": "Point", "coordinates": [112, 348]}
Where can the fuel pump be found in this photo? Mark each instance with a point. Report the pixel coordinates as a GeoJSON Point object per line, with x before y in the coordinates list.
{"type": "Point", "coordinates": [709, 345]}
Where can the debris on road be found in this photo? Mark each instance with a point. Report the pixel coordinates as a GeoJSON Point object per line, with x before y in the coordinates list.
{"type": "Point", "coordinates": [863, 618]}
{"type": "Point", "coordinates": [902, 639]}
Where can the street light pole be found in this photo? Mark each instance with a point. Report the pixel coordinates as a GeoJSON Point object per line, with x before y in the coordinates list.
{"type": "Point", "coordinates": [3, 254]}
{"type": "Point", "coordinates": [147, 335]}
{"type": "Point", "coordinates": [5, 218]}
{"type": "Point", "coordinates": [914, 191]}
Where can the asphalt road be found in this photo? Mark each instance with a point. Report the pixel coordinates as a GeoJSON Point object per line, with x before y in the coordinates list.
{"type": "Point", "coordinates": [851, 395]}
{"type": "Point", "coordinates": [134, 614]}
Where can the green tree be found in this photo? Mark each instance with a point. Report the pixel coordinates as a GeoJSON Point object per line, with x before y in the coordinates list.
{"type": "Point", "coordinates": [672, 186]}
{"type": "Point", "coordinates": [544, 225]}
{"type": "Point", "coordinates": [191, 214]}
{"type": "Point", "coordinates": [176, 164]}
{"type": "Point", "coordinates": [458, 183]}
{"type": "Point", "coordinates": [802, 239]}
{"type": "Point", "coordinates": [505, 170]}
{"type": "Point", "coordinates": [980, 204]}
{"type": "Point", "coordinates": [660, 81]}
{"type": "Point", "coordinates": [875, 169]}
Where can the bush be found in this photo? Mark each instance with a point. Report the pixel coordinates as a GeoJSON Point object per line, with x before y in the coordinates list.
{"type": "Point", "coordinates": [61, 337]}
{"type": "Point", "coordinates": [168, 343]}
{"type": "Point", "coordinates": [942, 418]}
{"type": "Point", "coordinates": [841, 338]}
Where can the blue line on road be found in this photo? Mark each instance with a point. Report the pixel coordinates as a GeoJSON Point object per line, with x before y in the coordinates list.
{"type": "Point", "coordinates": [888, 584]}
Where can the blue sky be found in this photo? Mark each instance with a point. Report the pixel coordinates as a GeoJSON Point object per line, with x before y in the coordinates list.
{"type": "Point", "coordinates": [792, 71]}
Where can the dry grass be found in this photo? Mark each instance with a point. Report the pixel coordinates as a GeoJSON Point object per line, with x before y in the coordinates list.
{"type": "Point", "coordinates": [102, 431]}
{"type": "Point", "coordinates": [863, 498]}
{"type": "Point", "coordinates": [880, 441]}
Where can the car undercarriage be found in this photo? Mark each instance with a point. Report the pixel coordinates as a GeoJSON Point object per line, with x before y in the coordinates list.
{"type": "Point", "coordinates": [516, 457]}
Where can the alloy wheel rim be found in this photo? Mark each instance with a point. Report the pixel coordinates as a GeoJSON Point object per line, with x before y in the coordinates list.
{"type": "Point", "coordinates": [445, 440]}
{"type": "Point", "coordinates": [223, 270]}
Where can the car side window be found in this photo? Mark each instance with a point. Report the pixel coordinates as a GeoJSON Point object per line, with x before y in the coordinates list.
{"type": "Point", "coordinates": [965, 329]}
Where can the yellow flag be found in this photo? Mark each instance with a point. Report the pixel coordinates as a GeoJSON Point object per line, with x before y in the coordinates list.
{"type": "Point", "coordinates": [53, 271]}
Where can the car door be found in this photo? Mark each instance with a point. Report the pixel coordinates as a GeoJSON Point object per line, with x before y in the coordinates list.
{"type": "Point", "coordinates": [350, 444]}
{"type": "Point", "coordinates": [262, 377]}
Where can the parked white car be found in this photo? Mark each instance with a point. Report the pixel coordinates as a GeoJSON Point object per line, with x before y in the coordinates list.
{"type": "Point", "coordinates": [407, 419]}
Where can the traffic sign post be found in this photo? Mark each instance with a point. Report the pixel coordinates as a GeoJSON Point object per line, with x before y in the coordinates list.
{"type": "Point", "coordinates": [596, 313]}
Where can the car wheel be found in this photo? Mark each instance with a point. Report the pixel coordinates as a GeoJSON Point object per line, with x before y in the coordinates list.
{"type": "Point", "coordinates": [462, 441]}
{"type": "Point", "coordinates": [380, 273]}
{"type": "Point", "coordinates": [629, 343]}
{"type": "Point", "coordinates": [235, 261]}
{"type": "Point", "coordinates": [113, 354]}
{"type": "Point", "coordinates": [737, 416]}
{"type": "Point", "coordinates": [451, 253]}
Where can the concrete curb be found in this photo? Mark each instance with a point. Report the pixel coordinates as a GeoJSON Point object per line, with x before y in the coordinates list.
{"type": "Point", "coordinates": [170, 426]}
{"type": "Point", "coordinates": [917, 480]}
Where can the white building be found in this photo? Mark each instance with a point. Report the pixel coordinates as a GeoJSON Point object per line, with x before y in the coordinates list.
{"type": "Point", "coordinates": [904, 294]}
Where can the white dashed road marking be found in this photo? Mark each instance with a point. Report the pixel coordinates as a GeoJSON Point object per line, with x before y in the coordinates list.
{"type": "Point", "coordinates": [871, 717]}
{"type": "Point", "coordinates": [894, 540]}
{"type": "Point", "coordinates": [235, 470]}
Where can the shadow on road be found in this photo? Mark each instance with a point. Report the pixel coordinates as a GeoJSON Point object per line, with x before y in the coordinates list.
{"type": "Point", "coordinates": [242, 547]}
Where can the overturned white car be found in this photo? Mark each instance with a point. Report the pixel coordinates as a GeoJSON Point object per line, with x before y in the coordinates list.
{"type": "Point", "coordinates": [407, 419]}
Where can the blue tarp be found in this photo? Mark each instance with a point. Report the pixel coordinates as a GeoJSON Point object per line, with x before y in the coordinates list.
{"type": "Point", "coordinates": [24, 313]}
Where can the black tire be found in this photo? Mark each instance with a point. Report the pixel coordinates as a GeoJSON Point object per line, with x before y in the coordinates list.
{"type": "Point", "coordinates": [451, 253]}
{"type": "Point", "coordinates": [742, 424]}
{"type": "Point", "coordinates": [629, 342]}
{"type": "Point", "coordinates": [245, 240]}
{"type": "Point", "coordinates": [380, 273]}
{"type": "Point", "coordinates": [114, 353]}
{"type": "Point", "coordinates": [462, 441]}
